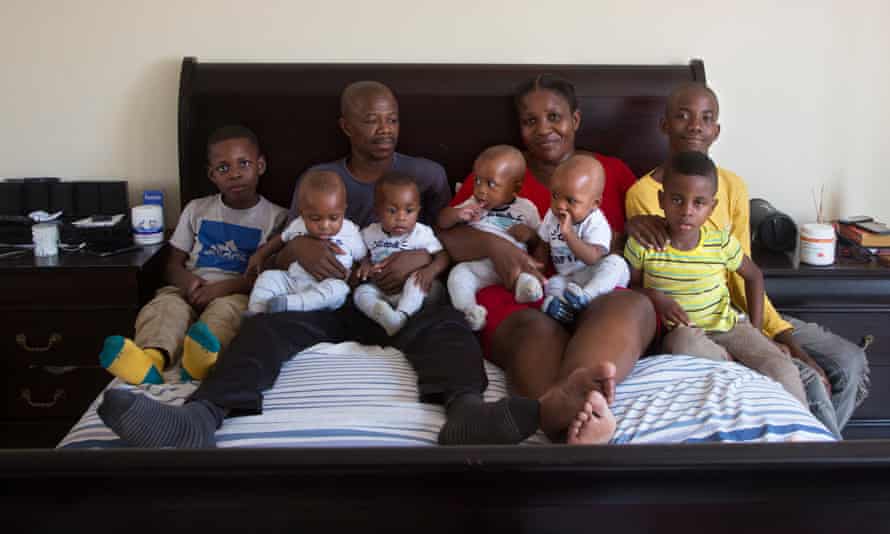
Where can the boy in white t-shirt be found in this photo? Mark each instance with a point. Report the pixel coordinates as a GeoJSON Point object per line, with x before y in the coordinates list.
{"type": "Point", "coordinates": [322, 204]}
{"type": "Point", "coordinates": [494, 207]}
{"type": "Point", "coordinates": [206, 269]}
{"type": "Point", "coordinates": [576, 236]}
{"type": "Point", "coordinates": [397, 205]}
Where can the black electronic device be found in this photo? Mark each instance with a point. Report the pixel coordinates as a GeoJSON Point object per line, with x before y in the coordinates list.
{"type": "Point", "coordinates": [853, 219]}
{"type": "Point", "coordinates": [771, 228]}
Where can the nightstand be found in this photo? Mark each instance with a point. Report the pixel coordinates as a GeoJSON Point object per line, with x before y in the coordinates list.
{"type": "Point", "coordinates": [851, 299]}
{"type": "Point", "coordinates": [57, 312]}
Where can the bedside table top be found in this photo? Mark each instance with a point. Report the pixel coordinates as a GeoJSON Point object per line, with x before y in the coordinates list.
{"type": "Point", "coordinates": [80, 260]}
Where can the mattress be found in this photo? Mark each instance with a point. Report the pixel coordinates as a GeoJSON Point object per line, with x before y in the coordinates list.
{"type": "Point", "coordinates": [350, 395]}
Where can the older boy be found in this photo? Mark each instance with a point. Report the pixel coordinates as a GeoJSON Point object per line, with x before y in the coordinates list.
{"type": "Point", "coordinates": [208, 258]}
{"type": "Point", "coordinates": [437, 341]}
{"type": "Point", "coordinates": [691, 122]}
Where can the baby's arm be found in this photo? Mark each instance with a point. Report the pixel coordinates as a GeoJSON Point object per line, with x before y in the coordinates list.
{"type": "Point", "coordinates": [753, 290]}
{"type": "Point", "coordinates": [451, 216]}
{"type": "Point", "coordinates": [586, 252]}
{"type": "Point", "coordinates": [263, 253]}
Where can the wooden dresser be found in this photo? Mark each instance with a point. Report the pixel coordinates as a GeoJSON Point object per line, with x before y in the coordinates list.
{"type": "Point", "coordinates": [852, 299]}
{"type": "Point", "coordinates": [56, 314]}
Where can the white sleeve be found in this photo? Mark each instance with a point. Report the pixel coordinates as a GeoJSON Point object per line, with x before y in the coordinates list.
{"type": "Point", "coordinates": [296, 228]}
{"type": "Point", "coordinates": [530, 213]}
{"type": "Point", "coordinates": [183, 237]}
{"type": "Point", "coordinates": [354, 242]}
{"type": "Point", "coordinates": [598, 232]}
{"type": "Point", "coordinates": [546, 226]}
{"type": "Point", "coordinates": [427, 239]}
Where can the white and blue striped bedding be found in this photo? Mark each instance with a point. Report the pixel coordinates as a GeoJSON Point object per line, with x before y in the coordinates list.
{"type": "Point", "coordinates": [349, 395]}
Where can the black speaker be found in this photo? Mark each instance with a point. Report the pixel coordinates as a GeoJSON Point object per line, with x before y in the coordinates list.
{"type": "Point", "coordinates": [86, 199]}
{"type": "Point", "coordinates": [770, 228]}
{"type": "Point", "coordinates": [61, 198]}
{"type": "Point", "coordinates": [11, 202]}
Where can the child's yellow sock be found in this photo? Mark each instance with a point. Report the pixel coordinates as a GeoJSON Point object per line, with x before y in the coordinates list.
{"type": "Point", "coordinates": [199, 352]}
{"type": "Point", "coordinates": [128, 362]}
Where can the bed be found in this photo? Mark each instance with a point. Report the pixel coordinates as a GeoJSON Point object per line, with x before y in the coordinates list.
{"type": "Point", "coordinates": [342, 458]}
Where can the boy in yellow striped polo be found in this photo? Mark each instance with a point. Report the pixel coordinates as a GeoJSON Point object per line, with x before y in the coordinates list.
{"type": "Point", "coordinates": [687, 280]}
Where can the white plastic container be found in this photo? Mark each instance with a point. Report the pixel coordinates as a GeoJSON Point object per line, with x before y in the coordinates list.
{"type": "Point", "coordinates": [817, 243]}
{"type": "Point", "coordinates": [148, 224]}
{"type": "Point", "coordinates": [46, 239]}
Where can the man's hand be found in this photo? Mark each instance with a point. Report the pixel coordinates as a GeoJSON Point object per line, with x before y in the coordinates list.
{"type": "Point", "coordinates": [786, 342]}
{"type": "Point", "coordinates": [390, 274]}
{"type": "Point", "coordinates": [521, 232]}
{"type": "Point", "coordinates": [649, 230]}
{"type": "Point", "coordinates": [424, 278]}
{"type": "Point", "coordinates": [317, 256]}
{"type": "Point", "coordinates": [256, 264]}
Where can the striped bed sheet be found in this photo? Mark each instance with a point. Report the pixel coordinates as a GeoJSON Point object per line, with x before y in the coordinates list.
{"type": "Point", "coordinates": [349, 395]}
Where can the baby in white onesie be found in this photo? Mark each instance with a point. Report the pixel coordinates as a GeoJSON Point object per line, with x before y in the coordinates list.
{"type": "Point", "coordinates": [495, 208]}
{"type": "Point", "coordinates": [576, 236]}
{"type": "Point", "coordinates": [397, 205]}
{"type": "Point", "coordinates": [322, 204]}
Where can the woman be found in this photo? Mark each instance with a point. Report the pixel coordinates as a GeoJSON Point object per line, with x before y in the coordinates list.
{"type": "Point", "coordinates": [538, 354]}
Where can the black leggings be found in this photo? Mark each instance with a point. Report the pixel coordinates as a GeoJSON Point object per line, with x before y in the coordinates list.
{"type": "Point", "coordinates": [437, 341]}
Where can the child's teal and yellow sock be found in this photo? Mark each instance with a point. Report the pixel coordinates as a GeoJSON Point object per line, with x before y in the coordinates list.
{"type": "Point", "coordinates": [125, 360]}
{"type": "Point", "coordinates": [199, 352]}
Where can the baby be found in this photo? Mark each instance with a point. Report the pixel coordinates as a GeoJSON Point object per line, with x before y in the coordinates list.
{"type": "Point", "coordinates": [494, 207]}
{"type": "Point", "coordinates": [322, 204]}
{"type": "Point", "coordinates": [576, 236]}
{"type": "Point", "coordinates": [397, 205]}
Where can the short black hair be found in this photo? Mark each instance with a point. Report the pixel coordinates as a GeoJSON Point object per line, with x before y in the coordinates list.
{"type": "Point", "coordinates": [394, 178]}
{"type": "Point", "coordinates": [232, 131]}
{"type": "Point", "coordinates": [549, 82]}
{"type": "Point", "coordinates": [691, 163]}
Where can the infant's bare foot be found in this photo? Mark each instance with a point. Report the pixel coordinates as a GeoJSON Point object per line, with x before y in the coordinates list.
{"type": "Point", "coordinates": [561, 404]}
{"type": "Point", "coordinates": [593, 425]}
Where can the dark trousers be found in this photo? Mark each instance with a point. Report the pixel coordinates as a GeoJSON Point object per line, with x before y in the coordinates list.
{"type": "Point", "coordinates": [437, 341]}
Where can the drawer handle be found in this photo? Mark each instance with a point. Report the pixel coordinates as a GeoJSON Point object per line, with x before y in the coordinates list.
{"type": "Point", "coordinates": [867, 340]}
{"type": "Point", "coordinates": [22, 340]}
{"type": "Point", "coordinates": [57, 396]}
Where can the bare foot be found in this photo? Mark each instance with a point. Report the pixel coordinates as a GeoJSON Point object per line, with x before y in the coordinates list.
{"type": "Point", "coordinates": [562, 403]}
{"type": "Point", "coordinates": [594, 425]}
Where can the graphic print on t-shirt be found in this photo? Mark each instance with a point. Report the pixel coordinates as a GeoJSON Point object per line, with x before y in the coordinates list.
{"type": "Point", "coordinates": [226, 246]}
{"type": "Point", "coordinates": [502, 218]}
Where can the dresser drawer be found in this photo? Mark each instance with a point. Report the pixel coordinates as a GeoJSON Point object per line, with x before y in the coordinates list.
{"type": "Point", "coordinates": [39, 392]}
{"type": "Point", "coordinates": [854, 326]}
{"type": "Point", "coordinates": [877, 404]}
{"type": "Point", "coordinates": [70, 288]}
{"type": "Point", "coordinates": [60, 337]}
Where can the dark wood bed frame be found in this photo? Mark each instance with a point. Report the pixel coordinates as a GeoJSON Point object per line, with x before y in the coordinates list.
{"type": "Point", "coordinates": [449, 113]}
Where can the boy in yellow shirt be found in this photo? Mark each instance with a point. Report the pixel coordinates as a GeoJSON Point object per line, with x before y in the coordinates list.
{"type": "Point", "coordinates": [686, 281]}
{"type": "Point", "coordinates": [691, 122]}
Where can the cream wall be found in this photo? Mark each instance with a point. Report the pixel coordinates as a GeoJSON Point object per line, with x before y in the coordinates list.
{"type": "Point", "coordinates": [89, 87]}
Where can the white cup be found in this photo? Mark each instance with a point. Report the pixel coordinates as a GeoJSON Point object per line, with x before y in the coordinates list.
{"type": "Point", "coordinates": [46, 239]}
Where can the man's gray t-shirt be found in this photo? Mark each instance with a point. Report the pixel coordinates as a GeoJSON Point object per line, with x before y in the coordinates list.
{"type": "Point", "coordinates": [435, 193]}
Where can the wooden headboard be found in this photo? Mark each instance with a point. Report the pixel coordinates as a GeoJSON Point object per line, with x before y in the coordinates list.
{"type": "Point", "coordinates": [449, 113]}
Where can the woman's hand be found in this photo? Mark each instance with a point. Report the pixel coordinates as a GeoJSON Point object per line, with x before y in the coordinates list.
{"type": "Point", "coordinates": [390, 274]}
{"type": "Point", "coordinates": [509, 261]}
{"type": "Point", "coordinates": [317, 256]}
{"type": "Point", "coordinates": [521, 232]}
{"type": "Point", "coordinates": [649, 230]}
